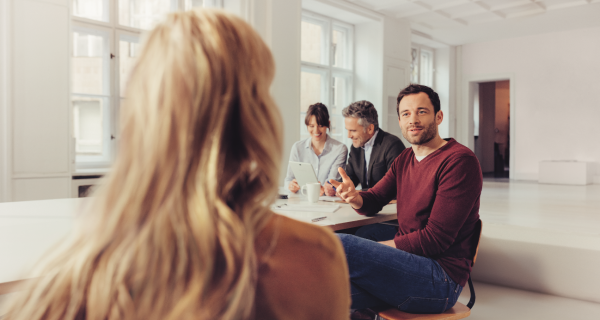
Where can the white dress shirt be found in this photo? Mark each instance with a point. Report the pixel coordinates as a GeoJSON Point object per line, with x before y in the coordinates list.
{"type": "Point", "coordinates": [325, 165]}
{"type": "Point", "coordinates": [368, 147]}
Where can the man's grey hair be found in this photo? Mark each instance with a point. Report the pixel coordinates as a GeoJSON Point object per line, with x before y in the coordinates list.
{"type": "Point", "coordinates": [364, 111]}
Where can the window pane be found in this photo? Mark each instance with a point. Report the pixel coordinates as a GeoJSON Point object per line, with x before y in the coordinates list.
{"type": "Point", "coordinates": [88, 125]}
{"type": "Point", "coordinates": [340, 48]}
{"type": "Point", "coordinates": [144, 14]}
{"type": "Point", "coordinates": [414, 66]}
{"type": "Point", "coordinates": [426, 68]}
{"type": "Point", "coordinates": [89, 64]}
{"type": "Point", "coordinates": [311, 85]}
{"type": "Point", "coordinates": [91, 9]}
{"type": "Point", "coordinates": [312, 43]}
{"type": "Point", "coordinates": [128, 51]}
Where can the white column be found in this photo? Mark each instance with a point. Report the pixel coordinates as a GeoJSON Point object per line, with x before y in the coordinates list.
{"type": "Point", "coordinates": [39, 105]}
{"type": "Point", "coordinates": [4, 100]}
{"type": "Point", "coordinates": [278, 22]}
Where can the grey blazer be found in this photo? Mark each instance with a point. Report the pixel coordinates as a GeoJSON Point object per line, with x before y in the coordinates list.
{"type": "Point", "coordinates": [385, 150]}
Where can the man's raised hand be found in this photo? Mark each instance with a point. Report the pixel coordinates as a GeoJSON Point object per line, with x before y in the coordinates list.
{"type": "Point", "coordinates": [346, 190]}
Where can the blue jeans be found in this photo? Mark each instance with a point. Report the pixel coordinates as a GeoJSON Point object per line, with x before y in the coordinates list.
{"type": "Point", "coordinates": [377, 232]}
{"type": "Point", "coordinates": [383, 276]}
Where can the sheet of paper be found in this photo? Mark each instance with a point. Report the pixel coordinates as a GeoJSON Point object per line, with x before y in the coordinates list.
{"type": "Point", "coordinates": [330, 199]}
{"type": "Point", "coordinates": [306, 207]}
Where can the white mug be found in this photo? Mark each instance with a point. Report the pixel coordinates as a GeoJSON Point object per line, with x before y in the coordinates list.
{"type": "Point", "coordinates": [313, 191]}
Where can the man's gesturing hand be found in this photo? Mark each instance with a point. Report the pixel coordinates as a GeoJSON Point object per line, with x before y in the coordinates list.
{"type": "Point", "coordinates": [346, 190]}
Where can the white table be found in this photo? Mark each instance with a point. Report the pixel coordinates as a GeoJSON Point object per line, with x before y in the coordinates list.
{"type": "Point", "coordinates": [29, 229]}
{"type": "Point", "coordinates": [345, 217]}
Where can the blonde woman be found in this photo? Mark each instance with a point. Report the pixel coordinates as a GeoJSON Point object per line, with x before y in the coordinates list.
{"type": "Point", "coordinates": [181, 228]}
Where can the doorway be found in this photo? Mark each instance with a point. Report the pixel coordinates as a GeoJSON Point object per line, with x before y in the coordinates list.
{"type": "Point", "coordinates": [491, 118]}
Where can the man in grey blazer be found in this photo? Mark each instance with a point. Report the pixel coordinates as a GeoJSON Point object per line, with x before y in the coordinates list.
{"type": "Point", "coordinates": [373, 150]}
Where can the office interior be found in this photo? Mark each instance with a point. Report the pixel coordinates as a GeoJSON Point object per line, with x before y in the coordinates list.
{"type": "Point", "coordinates": [517, 79]}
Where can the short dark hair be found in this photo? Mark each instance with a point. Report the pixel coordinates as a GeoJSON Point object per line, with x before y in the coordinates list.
{"type": "Point", "coordinates": [320, 112]}
{"type": "Point", "coordinates": [365, 112]}
{"type": "Point", "coordinates": [416, 88]}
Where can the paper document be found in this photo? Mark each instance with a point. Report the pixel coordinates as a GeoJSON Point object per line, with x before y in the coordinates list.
{"type": "Point", "coordinates": [306, 207]}
{"type": "Point", "coordinates": [330, 199]}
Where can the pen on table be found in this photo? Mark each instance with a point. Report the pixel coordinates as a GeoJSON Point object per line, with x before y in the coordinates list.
{"type": "Point", "coordinates": [319, 219]}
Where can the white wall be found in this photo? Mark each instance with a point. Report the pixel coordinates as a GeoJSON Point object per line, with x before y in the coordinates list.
{"type": "Point", "coordinates": [35, 156]}
{"type": "Point", "coordinates": [396, 71]}
{"type": "Point", "coordinates": [4, 85]}
{"type": "Point", "coordinates": [368, 65]}
{"type": "Point", "coordinates": [40, 101]}
{"type": "Point", "coordinates": [445, 79]}
{"type": "Point", "coordinates": [556, 94]}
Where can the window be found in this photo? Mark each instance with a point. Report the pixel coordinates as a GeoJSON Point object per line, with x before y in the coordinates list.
{"type": "Point", "coordinates": [105, 43]}
{"type": "Point", "coordinates": [421, 65]}
{"type": "Point", "coordinates": [327, 69]}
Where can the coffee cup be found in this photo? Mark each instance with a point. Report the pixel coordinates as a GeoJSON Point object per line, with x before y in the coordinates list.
{"type": "Point", "coordinates": [313, 191]}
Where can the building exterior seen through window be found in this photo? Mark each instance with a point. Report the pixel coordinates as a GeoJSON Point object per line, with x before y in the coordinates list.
{"type": "Point", "coordinates": [327, 75]}
{"type": "Point", "coordinates": [105, 43]}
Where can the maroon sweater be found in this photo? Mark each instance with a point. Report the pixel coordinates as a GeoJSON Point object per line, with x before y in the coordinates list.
{"type": "Point", "coordinates": [438, 205]}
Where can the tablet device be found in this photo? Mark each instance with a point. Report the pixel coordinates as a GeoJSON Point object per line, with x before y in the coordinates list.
{"type": "Point", "coordinates": [303, 172]}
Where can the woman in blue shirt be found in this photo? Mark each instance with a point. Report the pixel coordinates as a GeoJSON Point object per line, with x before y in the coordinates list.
{"type": "Point", "coordinates": [322, 151]}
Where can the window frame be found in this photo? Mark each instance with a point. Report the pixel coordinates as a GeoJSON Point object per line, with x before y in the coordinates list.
{"type": "Point", "coordinates": [326, 67]}
{"type": "Point", "coordinates": [111, 118]}
{"type": "Point", "coordinates": [431, 65]}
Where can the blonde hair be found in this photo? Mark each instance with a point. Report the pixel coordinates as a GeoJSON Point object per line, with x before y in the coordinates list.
{"type": "Point", "coordinates": [174, 223]}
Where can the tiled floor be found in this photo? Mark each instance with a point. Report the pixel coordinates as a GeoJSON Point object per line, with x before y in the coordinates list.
{"type": "Point", "coordinates": [550, 207]}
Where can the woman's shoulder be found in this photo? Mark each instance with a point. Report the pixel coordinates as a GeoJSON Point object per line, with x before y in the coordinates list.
{"type": "Point", "coordinates": [304, 272]}
{"type": "Point", "coordinates": [284, 235]}
{"type": "Point", "coordinates": [295, 234]}
{"type": "Point", "coordinates": [336, 144]}
{"type": "Point", "coordinates": [300, 145]}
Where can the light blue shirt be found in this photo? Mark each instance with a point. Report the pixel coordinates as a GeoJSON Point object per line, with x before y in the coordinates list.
{"type": "Point", "coordinates": [325, 165]}
{"type": "Point", "coordinates": [368, 147]}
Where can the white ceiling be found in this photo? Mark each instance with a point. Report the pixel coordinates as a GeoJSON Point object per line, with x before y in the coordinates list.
{"type": "Point", "coordinates": [456, 22]}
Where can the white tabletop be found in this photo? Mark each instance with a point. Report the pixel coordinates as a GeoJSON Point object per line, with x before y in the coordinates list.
{"type": "Point", "coordinates": [29, 229]}
{"type": "Point", "coordinates": [345, 217]}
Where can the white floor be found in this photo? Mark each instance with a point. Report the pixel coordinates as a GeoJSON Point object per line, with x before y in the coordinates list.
{"type": "Point", "coordinates": [563, 208]}
{"type": "Point", "coordinates": [567, 212]}
{"type": "Point", "coordinates": [528, 213]}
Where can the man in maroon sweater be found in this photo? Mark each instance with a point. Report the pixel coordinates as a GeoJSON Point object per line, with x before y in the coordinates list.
{"type": "Point", "coordinates": [437, 184]}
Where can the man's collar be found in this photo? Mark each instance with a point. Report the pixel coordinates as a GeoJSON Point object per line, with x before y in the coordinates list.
{"type": "Point", "coordinates": [371, 141]}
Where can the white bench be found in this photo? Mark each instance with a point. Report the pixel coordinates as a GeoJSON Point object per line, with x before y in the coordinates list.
{"type": "Point", "coordinates": [501, 303]}
{"type": "Point", "coordinates": [566, 172]}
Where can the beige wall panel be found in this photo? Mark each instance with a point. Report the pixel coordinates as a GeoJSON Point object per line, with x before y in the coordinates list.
{"type": "Point", "coordinates": [41, 88]}
{"type": "Point", "coordinates": [41, 189]}
{"type": "Point", "coordinates": [4, 90]}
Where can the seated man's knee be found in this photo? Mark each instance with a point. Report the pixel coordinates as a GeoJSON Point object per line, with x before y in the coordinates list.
{"type": "Point", "coordinates": [377, 232]}
{"type": "Point", "coordinates": [365, 232]}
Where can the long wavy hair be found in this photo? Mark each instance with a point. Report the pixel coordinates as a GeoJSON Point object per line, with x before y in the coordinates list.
{"type": "Point", "coordinates": [170, 232]}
